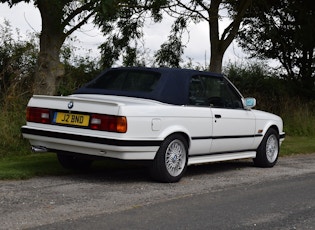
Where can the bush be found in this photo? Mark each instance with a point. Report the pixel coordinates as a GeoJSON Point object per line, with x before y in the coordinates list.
{"type": "Point", "coordinates": [17, 63]}
{"type": "Point", "coordinates": [12, 117]}
{"type": "Point", "coordinates": [298, 116]}
{"type": "Point", "coordinates": [78, 73]}
{"type": "Point", "coordinates": [17, 67]}
{"type": "Point", "coordinates": [275, 95]}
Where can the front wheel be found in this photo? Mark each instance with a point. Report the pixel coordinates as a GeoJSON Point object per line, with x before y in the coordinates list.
{"type": "Point", "coordinates": [268, 150]}
{"type": "Point", "coordinates": [170, 162]}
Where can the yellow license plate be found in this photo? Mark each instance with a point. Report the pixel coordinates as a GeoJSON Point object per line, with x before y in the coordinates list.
{"type": "Point", "coordinates": [72, 119]}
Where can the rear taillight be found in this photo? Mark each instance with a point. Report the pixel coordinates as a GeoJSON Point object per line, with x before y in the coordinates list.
{"type": "Point", "coordinates": [38, 115]}
{"type": "Point", "coordinates": [108, 123]}
{"type": "Point", "coordinates": [101, 122]}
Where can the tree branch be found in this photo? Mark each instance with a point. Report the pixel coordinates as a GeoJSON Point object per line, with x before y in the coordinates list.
{"type": "Point", "coordinates": [79, 24]}
{"type": "Point", "coordinates": [231, 31]}
{"type": "Point", "coordinates": [73, 14]}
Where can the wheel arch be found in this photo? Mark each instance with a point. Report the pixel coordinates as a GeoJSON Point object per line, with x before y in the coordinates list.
{"type": "Point", "coordinates": [183, 134]}
{"type": "Point", "coordinates": [275, 127]}
{"type": "Point", "coordinates": [267, 156]}
{"type": "Point", "coordinates": [176, 130]}
{"type": "Point", "coordinates": [170, 165]}
{"type": "Point", "coordinates": [271, 126]}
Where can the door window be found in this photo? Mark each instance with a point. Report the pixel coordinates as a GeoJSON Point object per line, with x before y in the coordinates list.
{"type": "Point", "coordinates": [215, 92]}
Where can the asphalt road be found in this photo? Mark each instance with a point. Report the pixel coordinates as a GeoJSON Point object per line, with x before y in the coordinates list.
{"type": "Point", "coordinates": [232, 195]}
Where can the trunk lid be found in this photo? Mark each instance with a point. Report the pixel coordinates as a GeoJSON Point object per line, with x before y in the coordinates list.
{"type": "Point", "coordinates": [75, 103]}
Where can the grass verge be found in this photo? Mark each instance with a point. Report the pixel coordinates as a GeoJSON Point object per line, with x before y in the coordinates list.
{"type": "Point", "coordinates": [298, 145]}
{"type": "Point", "coordinates": [25, 167]}
{"type": "Point", "coordinates": [46, 164]}
{"type": "Point", "coordinates": [28, 166]}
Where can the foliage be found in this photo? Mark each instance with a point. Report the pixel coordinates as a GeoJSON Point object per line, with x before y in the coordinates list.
{"type": "Point", "coordinates": [120, 20]}
{"type": "Point", "coordinates": [274, 95]}
{"type": "Point", "coordinates": [282, 30]}
{"type": "Point", "coordinates": [257, 80]}
{"type": "Point", "coordinates": [78, 70]}
{"type": "Point", "coordinates": [171, 51]}
{"type": "Point", "coordinates": [78, 73]}
{"type": "Point", "coordinates": [18, 60]}
{"type": "Point", "coordinates": [194, 11]}
{"type": "Point", "coordinates": [17, 64]}
{"type": "Point", "coordinates": [60, 18]}
{"type": "Point", "coordinates": [11, 120]}
{"type": "Point", "coordinates": [298, 116]}
{"type": "Point", "coordinates": [122, 24]}
{"type": "Point", "coordinates": [297, 145]}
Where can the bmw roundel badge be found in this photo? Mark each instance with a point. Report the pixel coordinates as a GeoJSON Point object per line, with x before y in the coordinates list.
{"type": "Point", "coordinates": [70, 105]}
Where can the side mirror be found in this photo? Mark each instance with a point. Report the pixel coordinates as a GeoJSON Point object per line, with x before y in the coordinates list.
{"type": "Point", "coordinates": [249, 102]}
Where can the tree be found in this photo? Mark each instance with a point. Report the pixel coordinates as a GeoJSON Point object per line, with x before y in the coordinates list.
{"type": "Point", "coordinates": [283, 30]}
{"type": "Point", "coordinates": [60, 18]}
{"type": "Point", "coordinates": [171, 50]}
{"type": "Point", "coordinates": [131, 21]}
{"type": "Point", "coordinates": [123, 29]}
{"type": "Point", "coordinates": [17, 64]}
{"type": "Point", "coordinates": [211, 12]}
{"type": "Point", "coordinates": [120, 20]}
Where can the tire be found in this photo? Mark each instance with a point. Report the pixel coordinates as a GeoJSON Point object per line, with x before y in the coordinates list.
{"type": "Point", "coordinates": [268, 150]}
{"type": "Point", "coordinates": [69, 161]}
{"type": "Point", "coordinates": [171, 159]}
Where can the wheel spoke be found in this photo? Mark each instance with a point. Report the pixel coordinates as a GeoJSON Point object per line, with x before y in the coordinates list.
{"type": "Point", "coordinates": [272, 148]}
{"type": "Point", "coordinates": [175, 157]}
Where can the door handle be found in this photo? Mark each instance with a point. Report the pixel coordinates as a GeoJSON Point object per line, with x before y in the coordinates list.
{"type": "Point", "coordinates": [217, 116]}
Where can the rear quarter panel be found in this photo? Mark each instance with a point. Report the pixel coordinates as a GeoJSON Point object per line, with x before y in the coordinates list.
{"type": "Point", "coordinates": [156, 122]}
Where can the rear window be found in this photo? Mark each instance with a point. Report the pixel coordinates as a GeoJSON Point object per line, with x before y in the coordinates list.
{"type": "Point", "coordinates": [127, 80]}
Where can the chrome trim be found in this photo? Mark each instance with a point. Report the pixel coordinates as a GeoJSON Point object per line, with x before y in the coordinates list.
{"type": "Point", "coordinates": [39, 149]}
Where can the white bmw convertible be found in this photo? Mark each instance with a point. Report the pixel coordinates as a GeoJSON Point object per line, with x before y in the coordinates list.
{"type": "Point", "coordinates": [171, 118]}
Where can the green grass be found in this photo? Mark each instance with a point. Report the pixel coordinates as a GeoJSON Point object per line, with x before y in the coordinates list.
{"type": "Point", "coordinates": [46, 164]}
{"type": "Point", "coordinates": [32, 165]}
{"type": "Point", "coordinates": [24, 167]}
{"type": "Point", "coordinates": [298, 145]}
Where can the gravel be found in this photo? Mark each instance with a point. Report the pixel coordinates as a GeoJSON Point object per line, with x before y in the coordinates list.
{"type": "Point", "coordinates": [45, 200]}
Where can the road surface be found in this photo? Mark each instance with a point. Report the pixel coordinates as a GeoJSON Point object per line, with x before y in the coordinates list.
{"type": "Point", "coordinates": [230, 195]}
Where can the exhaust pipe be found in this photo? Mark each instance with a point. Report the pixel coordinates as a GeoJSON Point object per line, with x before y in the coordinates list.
{"type": "Point", "coordinates": [39, 149]}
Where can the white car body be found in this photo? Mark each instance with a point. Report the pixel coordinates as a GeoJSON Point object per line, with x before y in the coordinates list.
{"type": "Point", "coordinates": [212, 134]}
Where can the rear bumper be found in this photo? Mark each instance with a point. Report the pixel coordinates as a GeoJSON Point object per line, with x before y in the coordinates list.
{"type": "Point", "coordinates": [48, 140]}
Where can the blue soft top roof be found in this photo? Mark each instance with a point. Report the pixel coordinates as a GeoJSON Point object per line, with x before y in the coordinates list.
{"type": "Point", "coordinates": [172, 87]}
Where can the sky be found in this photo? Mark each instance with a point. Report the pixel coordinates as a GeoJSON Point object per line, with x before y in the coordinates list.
{"type": "Point", "coordinates": [26, 18]}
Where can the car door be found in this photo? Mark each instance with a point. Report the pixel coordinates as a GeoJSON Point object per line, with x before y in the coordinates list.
{"type": "Point", "coordinates": [202, 126]}
{"type": "Point", "coordinates": [233, 126]}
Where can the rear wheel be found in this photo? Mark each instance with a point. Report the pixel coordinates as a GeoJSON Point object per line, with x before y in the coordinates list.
{"type": "Point", "coordinates": [170, 162]}
{"type": "Point", "coordinates": [70, 161]}
{"type": "Point", "coordinates": [268, 150]}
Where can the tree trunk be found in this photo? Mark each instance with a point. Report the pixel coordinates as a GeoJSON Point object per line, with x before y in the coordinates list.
{"type": "Point", "coordinates": [216, 59]}
{"type": "Point", "coordinates": [219, 45]}
{"type": "Point", "coordinates": [49, 67]}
